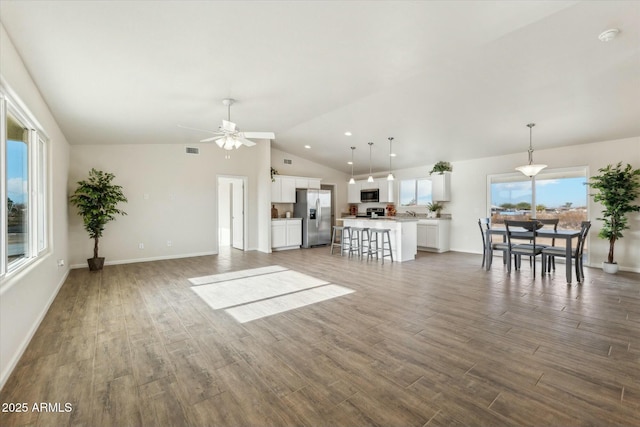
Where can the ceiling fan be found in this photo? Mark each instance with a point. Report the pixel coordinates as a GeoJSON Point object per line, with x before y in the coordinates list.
{"type": "Point", "coordinates": [228, 136]}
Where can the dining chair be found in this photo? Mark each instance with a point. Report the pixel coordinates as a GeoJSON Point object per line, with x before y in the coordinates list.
{"type": "Point", "coordinates": [485, 224]}
{"type": "Point", "coordinates": [548, 223]}
{"type": "Point", "coordinates": [550, 252]}
{"type": "Point", "coordinates": [516, 233]}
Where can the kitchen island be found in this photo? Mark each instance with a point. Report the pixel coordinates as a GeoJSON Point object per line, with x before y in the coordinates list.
{"type": "Point", "coordinates": [403, 233]}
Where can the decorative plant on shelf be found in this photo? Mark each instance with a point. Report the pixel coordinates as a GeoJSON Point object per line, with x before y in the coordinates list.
{"type": "Point", "coordinates": [435, 207]}
{"type": "Point", "coordinates": [273, 172]}
{"type": "Point", "coordinates": [617, 189]}
{"type": "Point", "coordinates": [97, 199]}
{"type": "Point", "coordinates": [441, 167]}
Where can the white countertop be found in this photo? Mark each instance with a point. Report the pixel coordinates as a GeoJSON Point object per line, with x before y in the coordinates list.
{"type": "Point", "coordinates": [284, 219]}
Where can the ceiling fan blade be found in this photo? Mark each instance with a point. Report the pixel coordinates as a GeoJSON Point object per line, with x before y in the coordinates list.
{"type": "Point", "coordinates": [228, 126]}
{"type": "Point", "coordinates": [258, 135]}
{"type": "Point", "coordinates": [213, 138]}
{"type": "Point", "coordinates": [246, 142]}
{"type": "Point", "coordinates": [199, 130]}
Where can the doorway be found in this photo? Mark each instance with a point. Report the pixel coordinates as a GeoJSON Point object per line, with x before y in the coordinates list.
{"type": "Point", "coordinates": [231, 212]}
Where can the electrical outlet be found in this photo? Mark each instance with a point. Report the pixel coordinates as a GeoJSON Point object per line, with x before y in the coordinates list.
{"type": "Point", "coordinates": [140, 245]}
{"type": "Point", "coordinates": [169, 243]}
{"type": "Point", "coordinates": [60, 263]}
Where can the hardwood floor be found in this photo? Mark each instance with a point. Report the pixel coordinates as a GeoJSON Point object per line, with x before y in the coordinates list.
{"type": "Point", "coordinates": [436, 341]}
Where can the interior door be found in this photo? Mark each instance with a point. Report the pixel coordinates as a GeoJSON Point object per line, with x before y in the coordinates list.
{"type": "Point", "coordinates": [237, 214]}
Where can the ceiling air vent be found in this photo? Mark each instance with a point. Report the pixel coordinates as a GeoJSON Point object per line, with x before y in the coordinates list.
{"type": "Point", "coordinates": [192, 150]}
{"type": "Point", "coordinates": [287, 161]}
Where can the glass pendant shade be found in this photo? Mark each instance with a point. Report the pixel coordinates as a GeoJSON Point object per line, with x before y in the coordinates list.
{"type": "Point", "coordinates": [390, 177]}
{"type": "Point", "coordinates": [370, 179]}
{"type": "Point", "coordinates": [531, 169]}
{"type": "Point", "coordinates": [352, 180]}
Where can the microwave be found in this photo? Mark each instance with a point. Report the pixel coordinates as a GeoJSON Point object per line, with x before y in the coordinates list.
{"type": "Point", "coordinates": [370, 196]}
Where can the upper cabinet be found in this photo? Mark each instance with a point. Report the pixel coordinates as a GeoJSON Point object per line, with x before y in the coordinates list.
{"type": "Point", "coordinates": [353, 192]}
{"type": "Point", "coordinates": [441, 187]}
{"type": "Point", "coordinates": [386, 190]}
{"type": "Point", "coordinates": [283, 188]}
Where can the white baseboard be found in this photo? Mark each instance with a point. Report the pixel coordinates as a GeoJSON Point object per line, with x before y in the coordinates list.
{"type": "Point", "coordinates": [158, 258]}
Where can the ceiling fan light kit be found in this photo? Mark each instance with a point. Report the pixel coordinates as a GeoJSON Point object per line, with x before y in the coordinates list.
{"type": "Point", "coordinates": [531, 169]}
{"type": "Point", "coordinates": [228, 136]}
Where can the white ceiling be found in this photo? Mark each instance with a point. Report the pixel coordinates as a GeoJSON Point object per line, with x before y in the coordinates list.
{"type": "Point", "coordinates": [448, 80]}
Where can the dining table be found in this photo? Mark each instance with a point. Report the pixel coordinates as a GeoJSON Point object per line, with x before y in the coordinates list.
{"type": "Point", "coordinates": [566, 235]}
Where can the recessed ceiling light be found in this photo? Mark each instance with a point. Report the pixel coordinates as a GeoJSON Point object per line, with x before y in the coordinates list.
{"type": "Point", "coordinates": [307, 147]}
{"type": "Point", "coordinates": [392, 155]}
{"type": "Point", "coordinates": [349, 162]}
{"type": "Point", "coordinates": [608, 35]}
{"type": "Point", "coordinates": [347, 133]}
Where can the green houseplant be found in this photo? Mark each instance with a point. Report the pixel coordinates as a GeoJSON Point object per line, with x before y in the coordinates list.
{"type": "Point", "coordinates": [435, 207]}
{"type": "Point", "coordinates": [97, 201]}
{"type": "Point", "coordinates": [617, 188]}
{"type": "Point", "coordinates": [441, 167]}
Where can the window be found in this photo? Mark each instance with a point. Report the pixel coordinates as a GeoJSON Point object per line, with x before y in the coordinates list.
{"type": "Point", "coordinates": [559, 193]}
{"type": "Point", "coordinates": [415, 192]}
{"type": "Point", "coordinates": [23, 188]}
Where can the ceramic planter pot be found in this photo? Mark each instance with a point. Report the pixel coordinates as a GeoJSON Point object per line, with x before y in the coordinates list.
{"type": "Point", "coordinates": [611, 268]}
{"type": "Point", "coordinates": [95, 264]}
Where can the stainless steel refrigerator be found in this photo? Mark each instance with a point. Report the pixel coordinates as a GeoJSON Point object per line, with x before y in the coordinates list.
{"type": "Point", "coordinates": [314, 207]}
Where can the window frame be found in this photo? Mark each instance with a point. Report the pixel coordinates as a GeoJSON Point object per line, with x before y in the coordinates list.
{"type": "Point", "coordinates": [416, 182]}
{"type": "Point", "coordinates": [566, 172]}
{"type": "Point", "coordinates": [38, 191]}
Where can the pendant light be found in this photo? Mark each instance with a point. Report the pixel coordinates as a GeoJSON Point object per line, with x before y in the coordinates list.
{"type": "Point", "coordinates": [370, 179]}
{"type": "Point", "coordinates": [390, 177]}
{"type": "Point", "coordinates": [531, 169]}
{"type": "Point", "coordinates": [352, 181]}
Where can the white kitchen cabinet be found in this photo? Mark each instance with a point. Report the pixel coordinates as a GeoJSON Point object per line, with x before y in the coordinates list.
{"type": "Point", "coordinates": [302, 182]}
{"type": "Point", "coordinates": [286, 233]}
{"type": "Point", "coordinates": [283, 190]}
{"type": "Point", "coordinates": [353, 192]}
{"type": "Point", "coordinates": [387, 190]}
{"type": "Point", "coordinates": [441, 187]}
{"type": "Point", "coordinates": [366, 185]}
{"type": "Point", "coordinates": [433, 235]}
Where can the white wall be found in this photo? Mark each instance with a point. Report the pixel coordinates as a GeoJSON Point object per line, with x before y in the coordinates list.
{"type": "Point", "coordinates": [172, 196]}
{"type": "Point", "coordinates": [469, 194]}
{"type": "Point", "coordinates": [26, 296]}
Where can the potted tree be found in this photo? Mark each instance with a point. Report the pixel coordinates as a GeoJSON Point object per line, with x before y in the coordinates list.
{"type": "Point", "coordinates": [617, 188]}
{"type": "Point", "coordinates": [97, 199]}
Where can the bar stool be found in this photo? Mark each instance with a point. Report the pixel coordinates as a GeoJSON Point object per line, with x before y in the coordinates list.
{"type": "Point", "coordinates": [379, 250]}
{"type": "Point", "coordinates": [345, 237]}
{"type": "Point", "coordinates": [357, 238]}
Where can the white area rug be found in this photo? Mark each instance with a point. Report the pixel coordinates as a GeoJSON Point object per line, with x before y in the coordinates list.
{"type": "Point", "coordinates": [256, 310]}
{"type": "Point", "coordinates": [255, 293]}
{"type": "Point", "coordinates": [222, 277]}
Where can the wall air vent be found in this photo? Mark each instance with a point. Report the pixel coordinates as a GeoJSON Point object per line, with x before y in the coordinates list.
{"type": "Point", "coordinates": [192, 150]}
{"type": "Point", "coordinates": [287, 161]}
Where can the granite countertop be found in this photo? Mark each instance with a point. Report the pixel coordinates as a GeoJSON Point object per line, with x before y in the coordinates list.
{"type": "Point", "coordinates": [384, 218]}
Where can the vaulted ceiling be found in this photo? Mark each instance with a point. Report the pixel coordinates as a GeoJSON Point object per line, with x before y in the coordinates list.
{"type": "Point", "coordinates": [448, 80]}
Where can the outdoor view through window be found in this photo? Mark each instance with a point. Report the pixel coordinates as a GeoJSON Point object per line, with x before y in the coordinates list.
{"type": "Point", "coordinates": [17, 189]}
{"type": "Point", "coordinates": [561, 195]}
